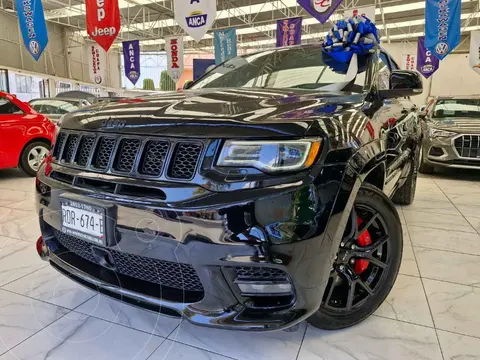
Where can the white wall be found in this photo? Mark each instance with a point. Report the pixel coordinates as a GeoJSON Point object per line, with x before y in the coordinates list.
{"type": "Point", "coordinates": [454, 77]}
{"type": "Point", "coordinates": [62, 58]}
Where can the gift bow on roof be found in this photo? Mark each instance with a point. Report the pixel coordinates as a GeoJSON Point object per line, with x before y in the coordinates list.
{"type": "Point", "coordinates": [357, 35]}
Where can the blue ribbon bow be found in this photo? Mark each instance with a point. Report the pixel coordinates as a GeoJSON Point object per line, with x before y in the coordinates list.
{"type": "Point", "coordinates": [357, 35]}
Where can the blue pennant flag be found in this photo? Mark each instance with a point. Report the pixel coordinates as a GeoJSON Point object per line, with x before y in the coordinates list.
{"type": "Point", "coordinates": [442, 26]}
{"type": "Point", "coordinates": [33, 26]}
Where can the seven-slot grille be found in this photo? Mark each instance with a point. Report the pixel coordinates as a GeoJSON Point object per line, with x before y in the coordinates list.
{"type": "Point", "coordinates": [128, 155]}
{"type": "Point", "coordinates": [468, 146]}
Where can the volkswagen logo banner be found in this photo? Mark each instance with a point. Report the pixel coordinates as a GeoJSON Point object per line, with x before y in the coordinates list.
{"type": "Point", "coordinates": [32, 25]}
{"type": "Point", "coordinates": [442, 26]}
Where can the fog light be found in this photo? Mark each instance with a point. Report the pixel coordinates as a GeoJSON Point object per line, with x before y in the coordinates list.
{"type": "Point", "coordinates": [42, 248]}
{"type": "Point", "coordinates": [264, 287]}
{"type": "Point", "coordinates": [436, 151]}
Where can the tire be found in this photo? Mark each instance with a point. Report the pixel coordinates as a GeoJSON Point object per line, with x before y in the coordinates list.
{"type": "Point", "coordinates": [423, 167]}
{"type": "Point", "coordinates": [27, 164]}
{"type": "Point", "coordinates": [405, 194]}
{"type": "Point", "coordinates": [332, 315]}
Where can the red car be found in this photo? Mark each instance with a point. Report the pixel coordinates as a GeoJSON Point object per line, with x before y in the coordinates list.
{"type": "Point", "coordinates": [25, 135]}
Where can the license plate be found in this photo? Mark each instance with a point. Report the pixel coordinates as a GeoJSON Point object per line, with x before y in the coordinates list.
{"type": "Point", "coordinates": [83, 220]}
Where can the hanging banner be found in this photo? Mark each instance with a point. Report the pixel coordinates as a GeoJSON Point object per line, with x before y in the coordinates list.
{"type": "Point", "coordinates": [174, 48]}
{"type": "Point", "coordinates": [474, 57]}
{"type": "Point", "coordinates": [427, 64]}
{"type": "Point", "coordinates": [289, 32]}
{"type": "Point", "coordinates": [196, 16]}
{"type": "Point", "coordinates": [97, 64]}
{"type": "Point", "coordinates": [225, 44]}
{"type": "Point", "coordinates": [367, 11]}
{"type": "Point", "coordinates": [442, 26]}
{"type": "Point", "coordinates": [409, 62]}
{"type": "Point", "coordinates": [320, 9]}
{"type": "Point", "coordinates": [33, 26]}
{"type": "Point", "coordinates": [131, 60]}
{"type": "Point", "coordinates": [103, 21]}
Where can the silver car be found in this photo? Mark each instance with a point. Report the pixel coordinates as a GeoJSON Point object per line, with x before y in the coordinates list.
{"type": "Point", "coordinates": [54, 108]}
{"type": "Point", "coordinates": [451, 134]}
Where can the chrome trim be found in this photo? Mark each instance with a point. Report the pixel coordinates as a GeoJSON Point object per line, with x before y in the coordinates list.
{"type": "Point", "coordinates": [455, 149]}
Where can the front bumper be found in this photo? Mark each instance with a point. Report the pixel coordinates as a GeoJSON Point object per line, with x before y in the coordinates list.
{"type": "Point", "coordinates": [441, 152]}
{"type": "Point", "coordinates": [292, 230]}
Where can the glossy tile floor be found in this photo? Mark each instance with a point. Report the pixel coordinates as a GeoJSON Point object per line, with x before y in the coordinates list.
{"type": "Point", "coordinates": [433, 311]}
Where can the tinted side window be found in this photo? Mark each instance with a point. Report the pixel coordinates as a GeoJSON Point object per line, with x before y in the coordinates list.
{"type": "Point", "coordinates": [7, 107]}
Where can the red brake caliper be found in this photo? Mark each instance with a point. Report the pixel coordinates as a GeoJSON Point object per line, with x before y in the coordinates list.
{"type": "Point", "coordinates": [363, 240]}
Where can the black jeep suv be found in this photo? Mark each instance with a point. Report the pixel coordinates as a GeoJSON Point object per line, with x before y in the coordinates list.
{"type": "Point", "coordinates": [254, 199]}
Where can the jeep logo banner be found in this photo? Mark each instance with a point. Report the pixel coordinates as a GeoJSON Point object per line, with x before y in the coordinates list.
{"type": "Point", "coordinates": [174, 49]}
{"type": "Point", "coordinates": [320, 9]}
{"type": "Point", "coordinates": [427, 64]}
{"type": "Point", "coordinates": [196, 16]}
{"type": "Point", "coordinates": [474, 57]}
{"type": "Point", "coordinates": [32, 25]}
{"type": "Point", "coordinates": [103, 21]}
{"type": "Point", "coordinates": [96, 64]}
{"type": "Point", "coordinates": [442, 26]}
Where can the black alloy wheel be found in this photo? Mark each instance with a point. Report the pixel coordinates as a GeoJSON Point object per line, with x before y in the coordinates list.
{"type": "Point", "coordinates": [366, 265]}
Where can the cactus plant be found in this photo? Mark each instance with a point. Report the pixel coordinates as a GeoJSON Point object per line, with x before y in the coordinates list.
{"type": "Point", "coordinates": [166, 82]}
{"type": "Point", "coordinates": [148, 84]}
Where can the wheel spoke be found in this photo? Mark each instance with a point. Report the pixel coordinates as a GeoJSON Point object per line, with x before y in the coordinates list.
{"type": "Point", "coordinates": [365, 286]}
{"type": "Point", "coordinates": [365, 250]}
{"type": "Point", "coordinates": [369, 223]}
{"type": "Point", "coordinates": [351, 293]}
{"type": "Point", "coordinates": [332, 287]}
{"type": "Point", "coordinates": [377, 262]}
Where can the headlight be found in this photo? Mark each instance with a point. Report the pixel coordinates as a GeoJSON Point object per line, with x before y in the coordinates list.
{"type": "Point", "coordinates": [270, 156]}
{"type": "Point", "coordinates": [435, 133]}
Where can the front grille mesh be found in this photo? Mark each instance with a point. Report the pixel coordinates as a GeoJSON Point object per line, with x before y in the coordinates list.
{"type": "Point", "coordinates": [104, 153]}
{"type": "Point", "coordinates": [253, 273]}
{"type": "Point", "coordinates": [185, 160]}
{"type": "Point", "coordinates": [154, 158]}
{"type": "Point", "coordinates": [468, 146]}
{"type": "Point", "coordinates": [128, 152]}
{"type": "Point", "coordinates": [70, 147]}
{"type": "Point", "coordinates": [129, 155]}
{"type": "Point", "coordinates": [165, 273]}
{"type": "Point", "coordinates": [86, 146]}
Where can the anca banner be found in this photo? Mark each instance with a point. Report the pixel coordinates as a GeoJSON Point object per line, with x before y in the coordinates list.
{"type": "Point", "coordinates": [97, 64]}
{"type": "Point", "coordinates": [32, 26]}
{"type": "Point", "coordinates": [367, 11]}
{"type": "Point", "coordinates": [174, 48]}
{"type": "Point", "coordinates": [409, 62]}
{"type": "Point", "coordinates": [475, 51]}
{"type": "Point", "coordinates": [442, 26]}
{"type": "Point", "coordinates": [103, 21]}
{"type": "Point", "coordinates": [320, 9]}
{"type": "Point", "coordinates": [195, 16]}
{"type": "Point", "coordinates": [427, 64]}
{"type": "Point", "coordinates": [131, 60]}
{"type": "Point", "coordinates": [225, 44]}
{"type": "Point", "coordinates": [289, 32]}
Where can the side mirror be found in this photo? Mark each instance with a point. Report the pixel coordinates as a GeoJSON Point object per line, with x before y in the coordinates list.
{"type": "Point", "coordinates": [403, 83]}
{"type": "Point", "coordinates": [187, 84]}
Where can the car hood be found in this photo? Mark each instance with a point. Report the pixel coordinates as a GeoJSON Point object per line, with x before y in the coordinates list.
{"type": "Point", "coordinates": [460, 125]}
{"type": "Point", "coordinates": [217, 113]}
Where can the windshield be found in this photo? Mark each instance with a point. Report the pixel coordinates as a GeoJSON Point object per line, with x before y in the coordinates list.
{"type": "Point", "coordinates": [457, 108]}
{"type": "Point", "coordinates": [52, 106]}
{"type": "Point", "coordinates": [300, 68]}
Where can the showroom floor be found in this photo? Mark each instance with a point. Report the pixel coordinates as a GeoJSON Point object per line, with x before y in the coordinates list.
{"type": "Point", "coordinates": [432, 313]}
